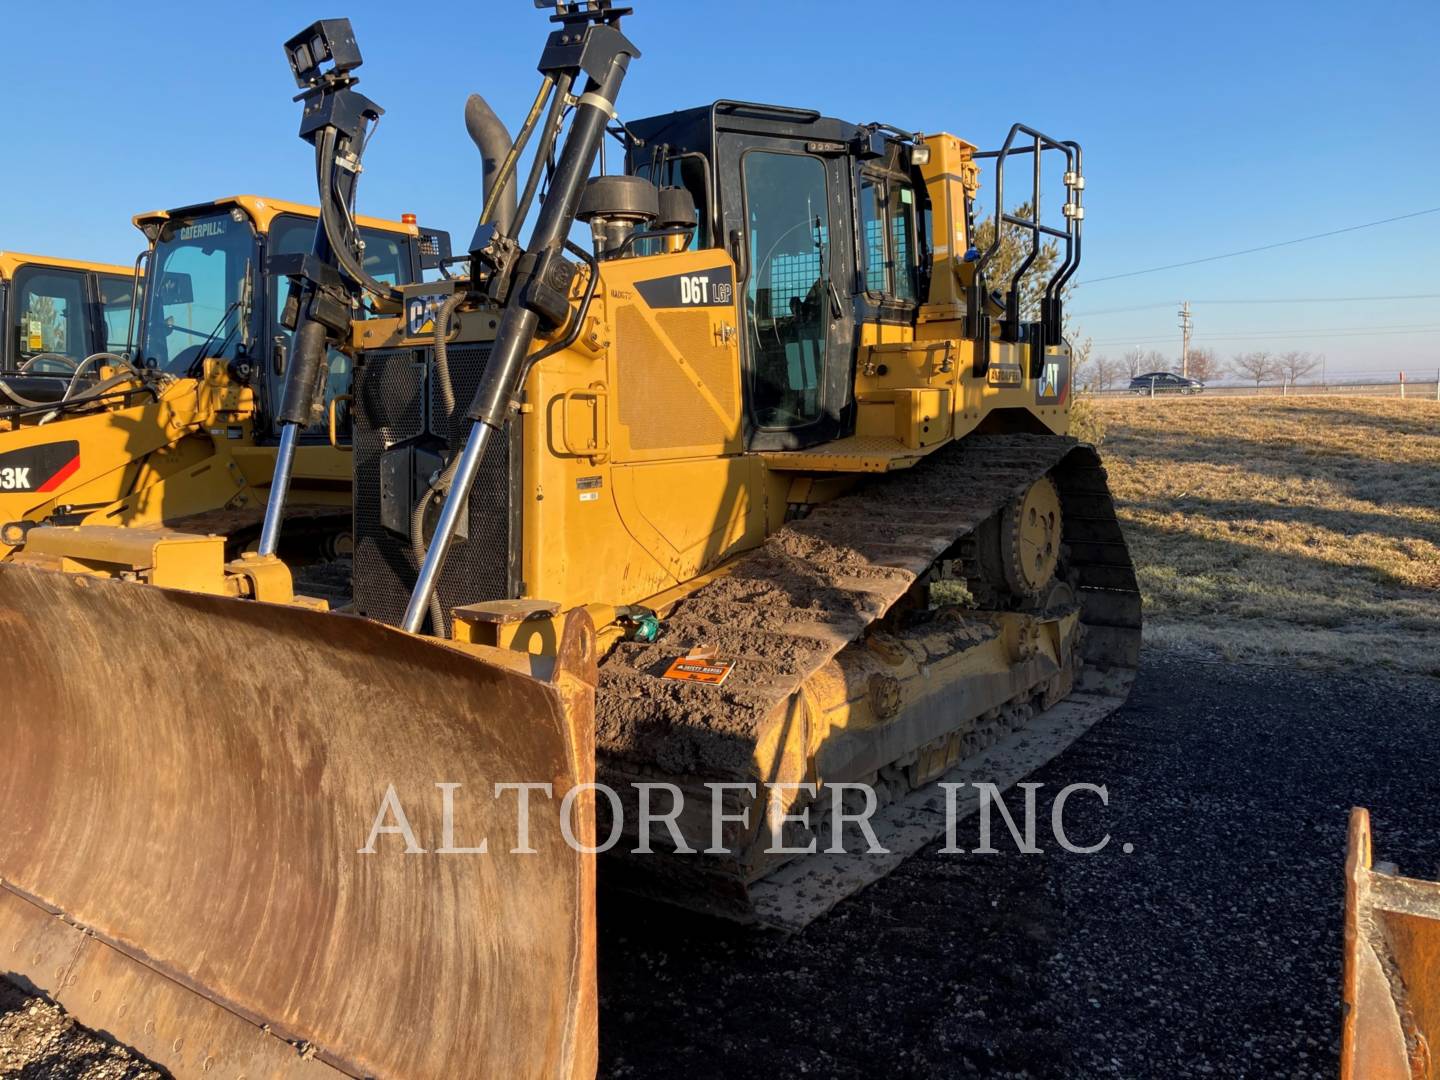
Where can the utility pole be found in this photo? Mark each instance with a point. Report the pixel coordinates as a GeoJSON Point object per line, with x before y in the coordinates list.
{"type": "Point", "coordinates": [1185, 339]}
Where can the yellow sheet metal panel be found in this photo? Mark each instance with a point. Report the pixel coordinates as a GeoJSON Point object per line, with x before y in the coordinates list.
{"type": "Point", "coordinates": [951, 176]}
{"type": "Point", "coordinates": [140, 549]}
{"type": "Point", "coordinates": [263, 210]}
{"type": "Point", "coordinates": [632, 439]}
{"type": "Point", "coordinates": [10, 261]}
{"type": "Point", "coordinates": [675, 358]}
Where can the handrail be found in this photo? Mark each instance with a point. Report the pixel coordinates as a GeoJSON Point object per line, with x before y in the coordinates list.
{"type": "Point", "coordinates": [1051, 315]}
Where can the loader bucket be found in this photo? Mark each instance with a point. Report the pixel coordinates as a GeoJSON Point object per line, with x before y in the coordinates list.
{"type": "Point", "coordinates": [186, 785]}
{"type": "Point", "coordinates": [1392, 969]}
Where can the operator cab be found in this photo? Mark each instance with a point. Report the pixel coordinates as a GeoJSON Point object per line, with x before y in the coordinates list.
{"type": "Point", "coordinates": [826, 223]}
{"type": "Point", "coordinates": [56, 312]}
{"type": "Point", "coordinates": [208, 298]}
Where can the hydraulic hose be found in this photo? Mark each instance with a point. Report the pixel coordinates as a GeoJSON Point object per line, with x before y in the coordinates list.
{"type": "Point", "coordinates": [61, 357]}
{"type": "Point", "coordinates": [99, 390]}
{"type": "Point", "coordinates": [442, 353]}
{"type": "Point", "coordinates": [21, 399]}
{"type": "Point", "coordinates": [336, 232]}
{"type": "Point", "coordinates": [441, 484]}
{"type": "Point", "coordinates": [70, 397]}
{"type": "Point", "coordinates": [89, 362]}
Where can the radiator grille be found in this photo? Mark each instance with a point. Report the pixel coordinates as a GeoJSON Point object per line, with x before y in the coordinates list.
{"type": "Point", "coordinates": [395, 403]}
{"type": "Point", "coordinates": [659, 404]}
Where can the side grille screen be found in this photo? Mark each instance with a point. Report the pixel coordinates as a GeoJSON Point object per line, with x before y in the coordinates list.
{"type": "Point", "coordinates": [397, 405]}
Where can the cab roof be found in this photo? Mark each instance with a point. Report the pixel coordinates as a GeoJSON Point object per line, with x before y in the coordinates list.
{"type": "Point", "coordinates": [262, 210]}
{"type": "Point", "coordinates": [11, 261]}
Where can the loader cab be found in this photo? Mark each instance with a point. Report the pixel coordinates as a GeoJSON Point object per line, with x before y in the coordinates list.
{"type": "Point", "coordinates": [211, 296]}
{"type": "Point", "coordinates": [64, 307]}
{"type": "Point", "coordinates": [823, 219]}
{"type": "Point", "coordinates": [392, 255]}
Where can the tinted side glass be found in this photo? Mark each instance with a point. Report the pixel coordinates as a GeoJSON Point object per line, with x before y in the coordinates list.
{"type": "Point", "coordinates": [50, 316]}
{"type": "Point", "coordinates": [117, 293]}
{"type": "Point", "coordinates": [788, 306]}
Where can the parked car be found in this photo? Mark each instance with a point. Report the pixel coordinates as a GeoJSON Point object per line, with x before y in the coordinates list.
{"type": "Point", "coordinates": [1165, 382]}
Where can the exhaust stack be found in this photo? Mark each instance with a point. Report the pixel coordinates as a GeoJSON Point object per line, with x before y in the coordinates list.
{"type": "Point", "coordinates": [493, 141]}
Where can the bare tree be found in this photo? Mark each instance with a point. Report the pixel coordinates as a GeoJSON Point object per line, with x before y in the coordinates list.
{"type": "Point", "coordinates": [1012, 251]}
{"type": "Point", "coordinates": [1133, 360]}
{"type": "Point", "coordinates": [1255, 366]}
{"type": "Point", "coordinates": [1104, 372]}
{"type": "Point", "coordinates": [1080, 363]}
{"type": "Point", "coordinates": [1155, 360]}
{"type": "Point", "coordinates": [1204, 365]}
{"type": "Point", "coordinates": [1296, 365]}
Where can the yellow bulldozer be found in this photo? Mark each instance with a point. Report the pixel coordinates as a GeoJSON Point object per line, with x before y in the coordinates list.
{"type": "Point", "coordinates": [113, 447]}
{"type": "Point", "coordinates": [714, 543]}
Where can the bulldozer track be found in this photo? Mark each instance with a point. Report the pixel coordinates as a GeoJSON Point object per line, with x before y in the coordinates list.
{"type": "Point", "coordinates": [813, 588]}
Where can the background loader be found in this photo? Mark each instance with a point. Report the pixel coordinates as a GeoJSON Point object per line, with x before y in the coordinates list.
{"type": "Point", "coordinates": [56, 312]}
{"type": "Point", "coordinates": [177, 434]}
{"type": "Point", "coordinates": [66, 307]}
{"type": "Point", "coordinates": [766, 492]}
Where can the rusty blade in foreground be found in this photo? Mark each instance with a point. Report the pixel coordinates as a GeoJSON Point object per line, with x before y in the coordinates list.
{"type": "Point", "coordinates": [1392, 969]}
{"type": "Point", "coordinates": [185, 786]}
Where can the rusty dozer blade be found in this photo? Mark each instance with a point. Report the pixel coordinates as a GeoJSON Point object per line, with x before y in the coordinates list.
{"type": "Point", "coordinates": [185, 787]}
{"type": "Point", "coordinates": [1392, 968]}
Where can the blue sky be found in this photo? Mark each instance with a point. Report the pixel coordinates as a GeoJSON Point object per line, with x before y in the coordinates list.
{"type": "Point", "coordinates": [1206, 129]}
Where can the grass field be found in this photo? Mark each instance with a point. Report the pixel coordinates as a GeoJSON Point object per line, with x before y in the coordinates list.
{"type": "Point", "coordinates": [1276, 530]}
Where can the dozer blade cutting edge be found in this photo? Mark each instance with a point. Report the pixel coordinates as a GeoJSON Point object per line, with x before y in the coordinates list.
{"type": "Point", "coordinates": [186, 785]}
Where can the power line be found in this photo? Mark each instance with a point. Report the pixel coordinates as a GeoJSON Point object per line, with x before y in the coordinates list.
{"type": "Point", "coordinates": [1263, 247]}
{"type": "Point", "coordinates": [1267, 300]}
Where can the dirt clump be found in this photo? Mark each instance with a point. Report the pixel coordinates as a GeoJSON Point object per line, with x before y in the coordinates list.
{"type": "Point", "coordinates": [37, 1039]}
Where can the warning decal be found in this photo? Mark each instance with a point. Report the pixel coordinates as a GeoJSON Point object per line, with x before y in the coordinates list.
{"type": "Point", "coordinates": [699, 669]}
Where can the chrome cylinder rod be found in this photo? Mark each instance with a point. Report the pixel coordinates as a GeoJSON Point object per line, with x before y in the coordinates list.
{"type": "Point", "coordinates": [279, 488]}
{"type": "Point", "coordinates": [456, 500]}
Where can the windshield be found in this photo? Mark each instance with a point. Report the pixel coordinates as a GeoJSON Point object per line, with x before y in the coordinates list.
{"type": "Point", "coordinates": [199, 298]}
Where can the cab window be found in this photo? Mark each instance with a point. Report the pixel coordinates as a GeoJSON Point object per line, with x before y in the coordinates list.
{"type": "Point", "coordinates": [199, 295]}
{"type": "Point", "coordinates": [787, 310]}
{"type": "Point", "coordinates": [387, 259]}
{"type": "Point", "coordinates": [887, 226]}
{"type": "Point", "coordinates": [51, 316]}
{"type": "Point", "coordinates": [117, 293]}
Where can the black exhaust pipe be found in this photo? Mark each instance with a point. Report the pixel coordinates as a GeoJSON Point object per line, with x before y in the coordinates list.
{"type": "Point", "coordinates": [493, 141]}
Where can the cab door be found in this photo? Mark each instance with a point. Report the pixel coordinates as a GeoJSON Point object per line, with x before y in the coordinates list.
{"type": "Point", "coordinates": [51, 312]}
{"type": "Point", "coordinates": [788, 224]}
